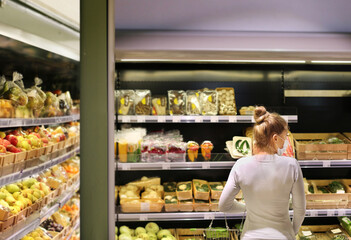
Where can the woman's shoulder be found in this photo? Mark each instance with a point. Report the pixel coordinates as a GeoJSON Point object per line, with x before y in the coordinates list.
{"type": "Point", "coordinates": [288, 160]}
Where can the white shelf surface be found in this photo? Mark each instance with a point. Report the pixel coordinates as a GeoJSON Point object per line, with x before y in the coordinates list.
{"type": "Point", "coordinates": [26, 122]}
{"type": "Point", "coordinates": [184, 216]}
{"type": "Point", "coordinates": [26, 172]}
{"type": "Point", "coordinates": [34, 220]}
{"type": "Point", "coordinates": [194, 119]}
{"type": "Point", "coordinates": [220, 165]}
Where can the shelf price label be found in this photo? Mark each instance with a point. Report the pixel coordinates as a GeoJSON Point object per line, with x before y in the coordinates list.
{"type": "Point", "coordinates": [126, 119]}
{"type": "Point", "coordinates": [125, 166]}
{"type": "Point", "coordinates": [214, 119]}
{"type": "Point", "coordinates": [209, 216]}
{"type": "Point", "coordinates": [205, 165]}
{"type": "Point", "coordinates": [176, 119]}
{"type": "Point", "coordinates": [140, 119]}
{"type": "Point", "coordinates": [143, 217]}
{"type": "Point", "coordinates": [166, 166]}
{"type": "Point", "coordinates": [161, 119]}
{"type": "Point", "coordinates": [313, 213]}
{"type": "Point", "coordinates": [198, 119]}
{"type": "Point", "coordinates": [330, 213]}
{"type": "Point", "coordinates": [326, 163]}
{"type": "Point", "coordinates": [232, 119]}
{"type": "Point", "coordinates": [341, 212]}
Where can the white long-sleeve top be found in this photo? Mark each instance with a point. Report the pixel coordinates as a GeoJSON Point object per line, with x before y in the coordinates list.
{"type": "Point", "coordinates": [266, 182]}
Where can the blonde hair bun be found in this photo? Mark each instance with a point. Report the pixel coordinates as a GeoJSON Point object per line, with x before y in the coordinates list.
{"type": "Point", "coordinates": [260, 114]}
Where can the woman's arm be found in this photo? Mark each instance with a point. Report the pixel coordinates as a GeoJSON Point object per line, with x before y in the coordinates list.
{"type": "Point", "coordinates": [299, 200]}
{"type": "Point", "coordinates": [227, 203]}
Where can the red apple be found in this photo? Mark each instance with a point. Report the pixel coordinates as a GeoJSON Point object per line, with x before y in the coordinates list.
{"type": "Point", "coordinates": [13, 149]}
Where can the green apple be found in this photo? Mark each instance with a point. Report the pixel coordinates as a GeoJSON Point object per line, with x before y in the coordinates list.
{"type": "Point", "coordinates": [12, 188]}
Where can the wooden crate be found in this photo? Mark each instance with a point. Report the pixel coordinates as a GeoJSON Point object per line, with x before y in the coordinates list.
{"type": "Point", "coordinates": [21, 156]}
{"type": "Point", "coordinates": [347, 184]}
{"type": "Point", "coordinates": [32, 154]}
{"type": "Point", "coordinates": [186, 207]}
{"type": "Point", "coordinates": [7, 223]}
{"type": "Point", "coordinates": [4, 215]}
{"type": "Point", "coordinates": [216, 193]}
{"type": "Point", "coordinates": [41, 151]}
{"type": "Point", "coordinates": [198, 234]}
{"type": "Point", "coordinates": [309, 151]}
{"type": "Point", "coordinates": [201, 195]}
{"type": "Point", "coordinates": [171, 207]}
{"type": "Point", "coordinates": [141, 206]}
{"type": "Point", "coordinates": [21, 215]}
{"type": "Point", "coordinates": [55, 147]}
{"type": "Point", "coordinates": [320, 229]}
{"type": "Point", "coordinates": [213, 206]}
{"type": "Point", "coordinates": [184, 195]}
{"type": "Point", "coordinates": [30, 210]}
{"type": "Point", "coordinates": [201, 207]}
{"type": "Point", "coordinates": [48, 149]}
{"type": "Point", "coordinates": [327, 200]}
{"type": "Point", "coordinates": [8, 159]}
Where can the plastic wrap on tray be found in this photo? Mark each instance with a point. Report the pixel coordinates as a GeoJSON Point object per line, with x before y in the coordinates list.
{"type": "Point", "coordinates": [51, 105]}
{"type": "Point", "coordinates": [157, 151]}
{"type": "Point", "coordinates": [12, 91]}
{"type": "Point", "coordinates": [144, 157]}
{"type": "Point", "coordinates": [184, 190]}
{"type": "Point", "coordinates": [201, 189]}
{"type": "Point", "coordinates": [171, 203]}
{"type": "Point", "coordinates": [36, 97]}
{"type": "Point", "coordinates": [125, 102]}
{"type": "Point", "coordinates": [159, 105]}
{"type": "Point", "coordinates": [176, 152]}
{"type": "Point", "coordinates": [193, 102]}
{"type": "Point", "coordinates": [176, 102]}
{"type": "Point", "coordinates": [209, 102]}
{"type": "Point", "coordinates": [226, 101]}
{"type": "Point", "coordinates": [216, 189]}
{"type": "Point", "coordinates": [142, 102]}
{"type": "Point", "coordinates": [170, 187]}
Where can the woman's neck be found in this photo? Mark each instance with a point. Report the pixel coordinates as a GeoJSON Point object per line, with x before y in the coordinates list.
{"type": "Point", "coordinates": [263, 151]}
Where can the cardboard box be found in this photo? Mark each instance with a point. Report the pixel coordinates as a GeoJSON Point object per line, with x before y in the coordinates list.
{"type": "Point", "coordinates": [310, 151]}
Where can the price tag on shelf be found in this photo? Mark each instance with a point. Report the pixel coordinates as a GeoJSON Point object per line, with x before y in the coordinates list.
{"type": "Point", "coordinates": [209, 216]}
{"type": "Point", "coordinates": [232, 119]}
{"type": "Point", "coordinates": [161, 119]}
{"type": "Point", "coordinates": [214, 119]}
{"type": "Point", "coordinates": [313, 213]}
{"type": "Point", "coordinates": [143, 217]}
{"type": "Point", "coordinates": [198, 119]}
{"type": "Point", "coordinates": [166, 166]}
{"type": "Point", "coordinates": [176, 119]}
{"type": "Point", "coordinates": [145, 207]}
{"type": "Point", "coordinates": [125, 166]}
{"type": "Point", "coordinates": [16, 122]}
{"type": "Point", "coordinates": [330, 213]}
{"type": "Point", "coordinates": [286, 118]}
{"type": "Point", "coordinates": [141, 119]}
{"type": "Point", "coordinates": [126, 119]}
{"type": "Point", "coordinates": [326, 163]}
{"type": "Point", "coordinates": [205, 165]}
{"type": "Point", "coordinates": [341, 212]}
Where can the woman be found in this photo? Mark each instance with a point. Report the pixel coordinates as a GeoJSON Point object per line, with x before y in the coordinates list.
{"type": "Point", "coordinates": [266, 180]}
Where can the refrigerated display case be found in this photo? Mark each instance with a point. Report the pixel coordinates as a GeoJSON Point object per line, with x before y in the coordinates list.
{"type": "Point", "coordinates": [253, 84]}
{"type": "Point", "coordinates": [32, 51]}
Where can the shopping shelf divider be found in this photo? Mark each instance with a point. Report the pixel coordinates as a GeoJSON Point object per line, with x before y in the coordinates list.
{"type": "Point", "coordinates": [133, 217]}
{"type": "Point", "coordinates": [194, 119]}
{"type": "Point", "coordinates": [34, 220]}
{"type": "Point", "coordinates": [26, 122]}
{"type": "Point", "coordinates": [40, 164]}
{"type": "Point", "coordinates": [220, 165]}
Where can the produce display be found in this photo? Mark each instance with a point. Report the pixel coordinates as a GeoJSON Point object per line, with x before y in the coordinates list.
{"type": "Point", "coordinates": [134, 145]}
{"type": "Point", "coordinates": [193, 106]}
{"type": "Point", "coordinates": [249, 110]}
{"type": "Point", "coordinates": [151, 231]}
{"type": "Point", "coordinates": [17, 145]}
{"type": "Point", "coordinates": [142, 102]}
{"type": "Point", "coordinates": [58, 225]}
{"type": "Point", "coordinates": [19, 102]}
{"type": "Point", "coordinates": [21, 199]}
{"type": "Point", "coordinates": [327, 232]}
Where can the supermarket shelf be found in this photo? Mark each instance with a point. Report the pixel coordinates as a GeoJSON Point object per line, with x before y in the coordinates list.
{"type": "Point", "coordinates": [325, 163]}
{"type": "Point", "coordinates": [33, 221]}
{"type": "Point", "coordinates": [194, 119]}
{"type": "Point", "coordinates": [184, 216]}
{"type": "Point", "coordinates": [175, 166]}
{"type": "Point", "coordinates": [74, 228]}
{"type": "Point", "coordinates": [24, 122]}
{"type": "Point", "coordinates": [31, 167]}
{"type": "Point", "coordinates": [221, 165]}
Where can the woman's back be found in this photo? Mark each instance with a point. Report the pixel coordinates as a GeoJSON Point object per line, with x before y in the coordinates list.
{"type": "Point", "coordinates": [266, 182]}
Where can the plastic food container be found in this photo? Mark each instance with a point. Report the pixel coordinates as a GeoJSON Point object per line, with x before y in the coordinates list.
{"type": "Point", "coordinates": [206, 148]}
{"type": "Point", "coordinates": [208, 102]}
{"type": "Point", "coordinates": [193, 150]}
{"type": "Point", "coordinates": [142, 102]}
{"type": "Point", "coordinates": [176, 152]}
{"type": "Point", "coordinates": [226, 101]}
{"type": "Point", "coordinates": [193, 102]}
{"type": "Point", "coordinates": [157, 152]}
{"type": "Point", "coordinates": [176, 102]}
{"type": "Point", "coordinates": [159, 105]}
{"type": "Point", "coordinates": [125, 102]}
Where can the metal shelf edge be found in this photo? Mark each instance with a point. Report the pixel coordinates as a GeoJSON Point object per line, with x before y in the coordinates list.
{"type": "Point", "coordinates": [24, 122]}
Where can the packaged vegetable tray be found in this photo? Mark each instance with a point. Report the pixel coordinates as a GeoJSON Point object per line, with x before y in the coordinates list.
{"type": "Point", "coordinates": [125, 102]}
{"type": "Point", "coordinates": [171, 202]}
{"type": "Point", "coordinates": [216, 189]}
{"type": "Point", "coordinates": [193, 102]}
{"type": "Point", "coordinates": [159, 105]}
{"type": "Point", "coordinates": [209, 102]}
{"type": "Point", "coordinates": [201, 189]}
{"type": "Point", "coordinates": [226, 101]}
{"type": "Point", "coordinates": [142, 102]}
{"type": "Point", "coordinates": [184, 190]}
{"type": "Point", "coordinates": [176, 102]}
